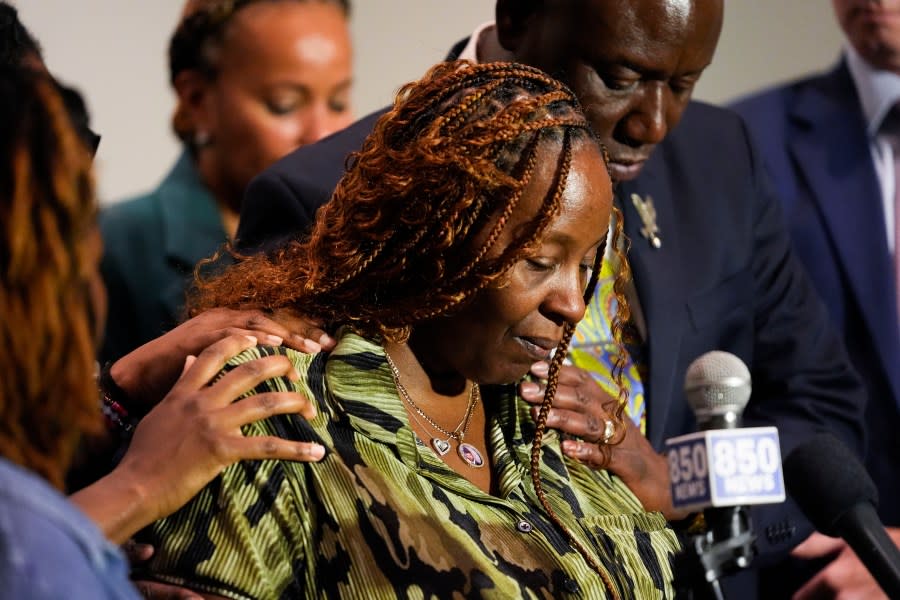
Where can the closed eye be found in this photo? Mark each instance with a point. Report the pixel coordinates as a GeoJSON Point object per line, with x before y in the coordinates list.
{"type": "Point", "coordinates": [537, 264]}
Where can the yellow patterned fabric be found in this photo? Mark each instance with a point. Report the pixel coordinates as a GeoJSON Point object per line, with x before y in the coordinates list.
{"type": "Point", "coordinates": [381, 516]}
{"type": "Point", "coordinates": [593, 349]}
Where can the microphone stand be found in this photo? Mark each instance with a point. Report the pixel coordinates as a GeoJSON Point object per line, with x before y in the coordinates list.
{"type": "Point", "coordinates": [725, 548]}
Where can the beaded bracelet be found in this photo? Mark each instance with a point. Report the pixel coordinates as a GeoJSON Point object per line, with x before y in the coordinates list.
{"type": "Point", "coordinates": [113, 401]}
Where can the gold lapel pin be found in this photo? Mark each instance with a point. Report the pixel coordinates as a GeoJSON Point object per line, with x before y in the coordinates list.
{"type": "Point", "coordinates": [647, 212]}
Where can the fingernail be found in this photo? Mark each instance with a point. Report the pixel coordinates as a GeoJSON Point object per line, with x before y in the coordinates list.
{"type": "Point", "coordinates": [252, 339]}
{"type": "Point", "coordinates": [540, 369]}
{"type": "Point", "coordinates": [294, 375]}
{"type": "Point", "coordinates": [312, 346]}
{"type": "Point", "coordinates": [316, 451]}
{"type": "Point", "coordinates": [529, 387]}
{"type": "Point", "coordinates": [274, 340]}
{"type": "Point", "coordinates": [325, 340]}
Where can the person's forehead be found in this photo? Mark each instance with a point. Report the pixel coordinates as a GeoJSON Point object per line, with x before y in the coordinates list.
{"type": "Point", "coordinates": [646, 19]}
{"type": "Point", "coordinates": [646, 30]}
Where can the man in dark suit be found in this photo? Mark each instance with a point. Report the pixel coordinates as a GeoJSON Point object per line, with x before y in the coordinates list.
{"type": "Point", "coordinates": [720, 273]}
{"type": "Point", "coordinates": [828, 144]}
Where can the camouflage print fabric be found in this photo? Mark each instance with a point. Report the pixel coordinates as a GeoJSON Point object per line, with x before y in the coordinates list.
{"type": "Point", "coordinates": [381, 516]}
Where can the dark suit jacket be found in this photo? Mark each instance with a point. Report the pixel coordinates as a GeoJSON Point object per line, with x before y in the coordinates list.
{"type": "Point", "coordinates": [812, 136]}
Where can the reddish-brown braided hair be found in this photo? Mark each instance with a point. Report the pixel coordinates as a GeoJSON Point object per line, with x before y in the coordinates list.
{"type": "Point", "coordinates": [47, 333]}
{"type": "Point", "coordinates": [411, 231]}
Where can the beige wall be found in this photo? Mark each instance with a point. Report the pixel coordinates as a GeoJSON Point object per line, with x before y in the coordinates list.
{"type": "Point", "coordinates": [114, 50]}
{"type": "Point", "coordinates": [768, 41]}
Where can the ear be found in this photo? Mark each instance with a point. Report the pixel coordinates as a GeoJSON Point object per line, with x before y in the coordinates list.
{"type": "Point", "coordinates": [513, 19]}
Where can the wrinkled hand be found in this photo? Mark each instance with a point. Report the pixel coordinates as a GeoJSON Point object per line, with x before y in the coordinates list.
{"type": "Point", "coordinates": [148, 373]}
{"type": "Point", "coordinates": [192, 435]}
{"type": "Point", "coordinates": [578, 409]}
{"type": "Point", "coordinates": [844, 577]}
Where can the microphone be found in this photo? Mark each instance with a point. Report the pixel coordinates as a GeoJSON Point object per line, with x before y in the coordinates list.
{"type": "Point", "coordinates": [723, 464]}
{"type": "Point", "coordinates": [717, 386]}
{"type": "Point", "coordinates": [837, 495]}
{"type": "Point", "coordinates": [720, 470]}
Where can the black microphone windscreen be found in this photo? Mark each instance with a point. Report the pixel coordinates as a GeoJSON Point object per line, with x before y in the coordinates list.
{"type": "Point", "coordinates": [826, 479]}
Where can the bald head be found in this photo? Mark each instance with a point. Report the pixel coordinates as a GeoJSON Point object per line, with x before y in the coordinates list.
{"type": "Point", "coordinates": [632, 63]}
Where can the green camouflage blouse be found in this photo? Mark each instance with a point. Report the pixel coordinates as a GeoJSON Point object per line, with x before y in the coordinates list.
{"type": "Point", "coordinates": [381, 516]}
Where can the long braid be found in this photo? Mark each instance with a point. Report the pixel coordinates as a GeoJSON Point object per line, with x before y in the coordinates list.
{"type": "Point", "coordinates": [536, 446]}
{"type": "Point", "coordinates": [550, 392]}
{"type": "Point", "coordinates": [618, 327]}
{"type": "Point", "coordinates": [530, 163]}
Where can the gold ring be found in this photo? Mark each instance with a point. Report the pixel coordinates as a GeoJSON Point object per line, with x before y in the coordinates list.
{"type": "Point", "coordinates": [609, 430]}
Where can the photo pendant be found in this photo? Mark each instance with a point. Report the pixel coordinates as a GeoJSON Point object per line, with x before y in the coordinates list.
{"type": "Point", "coordinates": [470, 455]}
{"type": "Point", "coordinates": [442, 447]}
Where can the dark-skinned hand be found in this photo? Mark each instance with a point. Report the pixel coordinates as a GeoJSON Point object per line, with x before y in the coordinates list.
{"type": "Point", "coordinates": [845, 576]}
{"type": "Point", "coordinates": [148, 373]}
{"type": "Point", "coordinates": [194, 434]}
{"type": "Point", "coordinates": [581, 408]}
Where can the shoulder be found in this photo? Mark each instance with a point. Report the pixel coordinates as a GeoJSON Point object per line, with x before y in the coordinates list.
{"type": "Point", "coordinates": [764, 104]}
{"type": "Point", "coordinates": [132, 231]}
{"type": "Point", "coordinates": [174, 198]}
{"type": "Point", "coordinates": [130, 210]}
{"type": "Point", "coordinates": [282, 201]}
{"type": "Point", "coordinates": [710, 148]}
{"type": "Point", "coordinates": [302, 363]}
{"type": "Point", "coordinates": [705, 133]}
{"type": "Point", "coordinates": [310, 368]}
{"type": "Point", "coordinates": [772, 103]}
{"type": "Point", "coordinates": [708, 126]}
{"type": "Point", "coordinates": [135, 223]}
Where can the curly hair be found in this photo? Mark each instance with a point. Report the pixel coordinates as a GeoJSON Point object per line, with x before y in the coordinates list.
{"type": "Point", "coordinates": [197, 41]}
{"type": "Point", "coordinates": [47, 334]}
{"type": "Point", "coordinates": [413, 229]}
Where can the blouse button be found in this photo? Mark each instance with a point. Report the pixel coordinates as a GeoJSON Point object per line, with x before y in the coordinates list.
{"type": "Point", "coordinates": [524, 526]}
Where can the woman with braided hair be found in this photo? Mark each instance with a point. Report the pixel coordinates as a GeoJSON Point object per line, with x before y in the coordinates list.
{"type": "Point", "coordinates": [459, 248]}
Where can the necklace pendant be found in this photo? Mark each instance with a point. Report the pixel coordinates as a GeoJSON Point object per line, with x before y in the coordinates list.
{"type": "Point", "coordinates": [442, 447]}
{"type": "Point", "coordinates": [470, 455]}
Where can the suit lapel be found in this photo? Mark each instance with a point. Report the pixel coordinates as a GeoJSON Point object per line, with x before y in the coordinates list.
{"type": "Point", "coordinates": [830, 146]}
{"type": "Point", "coordinates": [657, 279]}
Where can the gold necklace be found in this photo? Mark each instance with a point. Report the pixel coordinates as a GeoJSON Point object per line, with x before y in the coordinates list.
{"type": "Point", "coordinates": [467, 452]}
